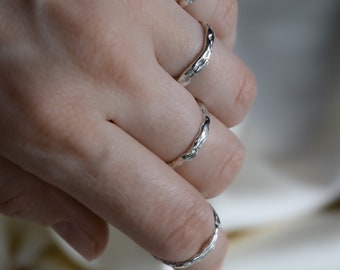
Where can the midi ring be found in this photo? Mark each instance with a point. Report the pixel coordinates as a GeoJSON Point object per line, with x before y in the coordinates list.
{"type": "Point", "coordinates": [198, 142]}
{"type": "Point", "coordinates": [184, 3]}
{"type": "Point", "coordinates": [202, 60]}
{"type": "Point", "coordinates": [204, 251]}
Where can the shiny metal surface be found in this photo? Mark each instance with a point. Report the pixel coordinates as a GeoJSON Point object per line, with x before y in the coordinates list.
{"type": "Point", "coordinates": [202, 60]}
{"type": "Point", "coordinates": [203, 253]}
{"type": "Point", "coordinates": [184, 3]}
{"type": "Point", "coordinates": [198, 142]}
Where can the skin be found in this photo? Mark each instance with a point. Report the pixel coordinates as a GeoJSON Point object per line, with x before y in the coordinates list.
{"type": "Point", "coordinates": [90, 112]}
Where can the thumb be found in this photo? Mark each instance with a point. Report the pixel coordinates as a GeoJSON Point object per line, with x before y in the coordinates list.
{"type": "Point", "coordinates": [24, 196]}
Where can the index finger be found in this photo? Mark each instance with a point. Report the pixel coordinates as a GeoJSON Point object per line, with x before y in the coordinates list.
{"type": "Point", "coordinates": [134, 190]}
{"type": "Point", "coordinates": [140, 195]}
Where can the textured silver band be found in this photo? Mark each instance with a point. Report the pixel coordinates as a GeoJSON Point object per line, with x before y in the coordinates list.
{"type": "Point", "coordinates": [184, 3]}
{"type": "Point", "coordinates": [198, 142]}
{"type": "Point", "coordinates": [203, 253]}
{"type": "Point", "coordinates": [202, 60]}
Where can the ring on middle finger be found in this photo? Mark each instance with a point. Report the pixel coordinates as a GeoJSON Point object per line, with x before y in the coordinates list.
{"type": "Point", "coordinates": [198, 142]}
{"type": "Point", "coordinates": [202, 59]}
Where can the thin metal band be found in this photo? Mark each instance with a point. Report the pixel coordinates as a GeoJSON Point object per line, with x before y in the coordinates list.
{"type": "Point", "coordinates": [202, 60]}
{"type": "Point", "coordinates": [184, 3]}
{"type": "Point", "coordinates": [203, 253]}
{"type": "Point", "coordinates": [198, 142]}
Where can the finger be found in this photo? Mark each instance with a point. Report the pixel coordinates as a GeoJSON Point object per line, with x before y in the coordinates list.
{"type": "Point", "coordinates": [217, 163]}
{"type": "Point", "coordinates": [150, 106]}
{"type": "Point", "coordinates": [115, 176]}
{"type": "Point", "coordinates": [221, 15]}
{"type": "Point", "coordinates": [214, 261]}
{"type": "Point", "coordinates": [178, 220]}
{"type": "Point", "coordinates": [226, 85]}
{"type": "Point", "coordinates": [165, 118]}
{"type": "Point", "coordinates": [24, 196]}
{"type": "Point", "coordinates": [128, 186]}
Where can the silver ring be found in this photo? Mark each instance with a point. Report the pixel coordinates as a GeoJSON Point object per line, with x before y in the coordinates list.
{"type": "Point", "coordinates": [202, 60]}
{"type": "Point", "coordinates": [184, 3]}
{"type": "Point", "coordinates": [198, 142]}
{"type": "Point", "coordinates": [203, 253]}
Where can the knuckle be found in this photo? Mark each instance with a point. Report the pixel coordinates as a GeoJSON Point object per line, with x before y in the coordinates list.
{"type": "Point", "coordinates": [137, 6]}
{"type": "Point", "coordinates": [62, 14]}
{"type": "Point", "coordinates": [81, 30]}
{"type": "Point", "coordinates": [62, 11]}
{"type": "Point", "coordinates": [244, 97]}
{"type": "Point", "coordinates": [189, 230]}
{"type": "Point", "coordinates": [69, 132]}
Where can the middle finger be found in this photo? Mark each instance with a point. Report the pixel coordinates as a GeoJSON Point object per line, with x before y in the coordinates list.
{"type": "Point", "coordinates": [165, 118]}
{"type": "Point", "coordinates": [226, 85]}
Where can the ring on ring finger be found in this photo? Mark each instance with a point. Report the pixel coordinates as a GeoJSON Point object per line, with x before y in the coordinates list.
{"type": "Point", "coordinates": [198, 142]}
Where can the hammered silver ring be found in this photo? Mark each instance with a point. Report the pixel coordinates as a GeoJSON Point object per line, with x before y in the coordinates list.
{"type": "Point", "coordinates": [198, 142]}
{"type": "Point", "coordinates": [202, 59]}
{"type": "Point", "coordinates": [204, 251]}
{"type": "Point", "coordinates": [184, 3]}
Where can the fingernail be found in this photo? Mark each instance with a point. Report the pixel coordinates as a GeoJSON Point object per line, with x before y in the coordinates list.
{"type": "Point", "coordinates": [77, 239]}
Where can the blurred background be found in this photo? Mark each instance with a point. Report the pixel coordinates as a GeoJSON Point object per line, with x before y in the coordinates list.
{"type": "Point", "coordinates": [283, 210]}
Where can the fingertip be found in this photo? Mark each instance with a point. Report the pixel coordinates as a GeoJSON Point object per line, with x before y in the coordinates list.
{"type": "Point", "coordinates": [210, 253]}
{"type": "Point", "coordinates": [215, 259]}
{"type": "Point", "coordinates": [88, 243]}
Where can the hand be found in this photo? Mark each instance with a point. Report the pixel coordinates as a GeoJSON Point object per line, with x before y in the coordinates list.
{"type": "Point", "coordinates": [90, 110]}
